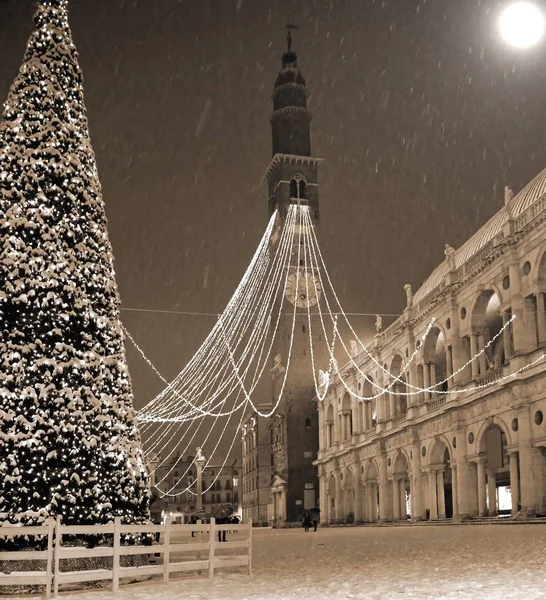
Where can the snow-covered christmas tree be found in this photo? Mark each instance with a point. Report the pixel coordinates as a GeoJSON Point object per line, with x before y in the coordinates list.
{"type": "Point", "coordinates": [69, 444]}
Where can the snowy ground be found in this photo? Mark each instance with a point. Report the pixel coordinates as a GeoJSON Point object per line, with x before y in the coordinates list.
{"type": "Point", "coordinates": [456, 562]}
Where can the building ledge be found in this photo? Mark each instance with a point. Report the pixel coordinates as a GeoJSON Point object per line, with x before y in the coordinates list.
{"type": "Point", "coordinates": [292, 159]}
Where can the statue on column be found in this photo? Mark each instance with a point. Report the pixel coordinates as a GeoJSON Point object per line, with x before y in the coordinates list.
{"type": "Point", "coordinates": [450, 257]}
{"type": "Point", "coordinates": [378, 323]}
{"type": "Point", "coordinates": [199, 455]}
{"type": "Point", "coordinates": [354, 348]}
{"type": "Point", "coordinates": [508, 195]}
{"type": "Point", "coordinates": [409, 295]}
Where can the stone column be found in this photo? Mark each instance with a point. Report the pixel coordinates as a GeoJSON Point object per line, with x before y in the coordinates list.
{"type": "Point", "coordinates": [417, 511]}
{"type": "Point", "coordinates": [338, 508]}
{"type": "Point", "coordinates": [356, 409]}
{"type": "Point", "coordinates": [367, 415]}
{"type": "Point", "coordinates": [392, 400]}
{"type": "Point", "coordinates": [433, 494]}
{"type": "Point", "coordinates": [541, 318]}
{"type": "Point", "coordinates": [199, 463]}
{"type": "Point", "coordinates": [433, 380]}
{"type": "Point", "coordinates": [441, 494]}
{"type": "Point", "coordinates": [527, 483]}
{"type": "Point", "coordinates": [358, 496]}
{"type": "Point", "coordinates": [531, 326]}
{"type": "Point", "coordinates": [492, 492]}
{"type": "Point", "coordinates": [481, 486]}
{"type": "Point", "coordinates": [473, 353]}
{"type": "Point", "coordinates": [463, 483]}
{"type": "Point", "coordinates": [519, 326]}
{"type": "Point", "coordinates": [514, 481]}
{"type": "Point", "coordinates": [455, 491]}
{"type": "Point", "coordinates": [384, 511]}
{"type": "Point", "coordinates": [482, 359]}
{"type": "Point", "coordinates": [395, 500]}
{"type": "Point", "coordinates": [449, 366]}
{"type": "Point", "coordinates": [382, 408]}
{"type": "Point", "coordinates": [506, 337]}
{"type": "Point", "coordinates": [426, 379]}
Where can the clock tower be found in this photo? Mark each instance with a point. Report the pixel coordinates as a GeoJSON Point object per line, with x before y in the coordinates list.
{"type": "Point", "coordinates": [292, 178]}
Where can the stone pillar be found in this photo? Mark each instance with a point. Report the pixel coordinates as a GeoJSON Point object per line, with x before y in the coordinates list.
{"type": "Point", "coordinates": [521, 343]}
{"type": "Point", "coordinates": [199, 463]}
{"type": "Point", "coordinates": [396, 499]}
{"type": "Point", "coordinates": [433, 380]}
{"type": "Point", "coordinates": [449, 366]}
{"type": "Point", "coordinates": [455, 490]}
{"type": "Point", "coordinates": [392, 402]}
{"type": "Point", "coordinates": [481, 348]}
{"type": "Point", "coordinates": [463, 479]}
{"type": "Point", "coordinates": [384, 511]}
{"type": "Point", "coordinates": [492, 492]}
{"type": "Point", "coordinates": [433, 494]}
{"type": "Point", "coordinates": [541, 318]}
{"type": "Point", "coordinates": [417, 511]}
{"type": "Point", "coordinates": [514, 481]}
{"type": "Point", "coordinates": [358, 497]}
{"type": "Point", "coordinates": [506, 336]}
{"type": "Point", "coordinates": [356, 409]}
{"type": "Point", "coordinates": [441, 494]}
{"type": "Point", "coordinates": [426, 379]}
{"type": "Point", "coordinates": [531, 326]}
{"type": "Point", "coordinates": [367, 415]}
{"type": "Point", "coordinates": [481, 486]}
{"type": "Point", "coordinates": [527, 483]}
{"type": "Point", "coordinates": [473, 353]}
{"type": "Point", "coordinates": [382, 408]}
{"type": "Point", "coordinates": [338, 499]}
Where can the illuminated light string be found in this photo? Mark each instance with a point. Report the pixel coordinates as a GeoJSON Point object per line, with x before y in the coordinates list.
{"type": "Point", "coordinates": [244, 405]}
{"type": "Point", "coordinates": [395, 379]}
{"type": "Point", "coordinates": [334, 320]}
{"type": "Point", "coordinates": [268, 294]}
{"type": "Point", "coordinates": [211, 361]}
{"type": "Point", "coordinates": [175, 433]}
{"type": "Point", "coordinates": [210, 430]}
{"type": "Point", "coordinates": [289, 354]}
{"type": "Point", "coordinates": [212, 358]}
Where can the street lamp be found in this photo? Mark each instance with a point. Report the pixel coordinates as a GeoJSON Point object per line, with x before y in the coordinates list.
{"type": "Point", "coordinates": [199, 463]}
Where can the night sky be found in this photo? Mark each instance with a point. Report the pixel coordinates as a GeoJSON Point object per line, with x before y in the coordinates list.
{"type": "Point", "coordinates": [421, 113]}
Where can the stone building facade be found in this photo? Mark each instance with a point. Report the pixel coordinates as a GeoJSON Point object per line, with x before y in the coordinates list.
{"type": "Point", "coordinates": [481, 449]}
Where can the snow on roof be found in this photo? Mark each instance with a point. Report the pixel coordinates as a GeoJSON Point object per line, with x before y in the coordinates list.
{"type": "Point", "coordinates": [532, 192]}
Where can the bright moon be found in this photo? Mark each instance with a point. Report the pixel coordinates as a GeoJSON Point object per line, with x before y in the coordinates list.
{"type": "Point", "coordinates": [522, 24]}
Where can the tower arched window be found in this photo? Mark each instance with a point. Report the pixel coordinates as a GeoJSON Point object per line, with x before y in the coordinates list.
{"type": "Point", "coordinates": [298, 187]}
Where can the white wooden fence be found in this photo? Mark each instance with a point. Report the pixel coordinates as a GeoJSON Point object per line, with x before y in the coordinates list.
{"type": "Point", "coordinates": [183, 548]}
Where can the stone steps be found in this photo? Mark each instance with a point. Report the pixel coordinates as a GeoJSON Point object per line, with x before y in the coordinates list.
{"type": "Point", "coordinates": [507, 520]}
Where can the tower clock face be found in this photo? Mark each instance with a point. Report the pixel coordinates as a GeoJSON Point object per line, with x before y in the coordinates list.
{"type": "Point", "coordinates": [307, 291]}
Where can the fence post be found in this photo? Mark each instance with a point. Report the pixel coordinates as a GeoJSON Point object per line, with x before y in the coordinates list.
{"type": "Point", "coordinates": [56, 572]}
{"type": "Point", "coordinates": [166, 551]}
{"type": "Point", "coordinates": [49, 564]}
{"type": "Point", "coordinates": [250, 548]}
{"type": "Point", "coordinates": [115, 556]}
{"type": "Point", "coordinates": [212, 545]}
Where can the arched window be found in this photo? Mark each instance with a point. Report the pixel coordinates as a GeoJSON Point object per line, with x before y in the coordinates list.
{"type": "Point", "coordinates": [298, 187]}
{"type": "Point", "coordinates": [308, 423]}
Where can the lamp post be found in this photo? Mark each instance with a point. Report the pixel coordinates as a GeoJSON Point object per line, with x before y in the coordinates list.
{"type": "Point", "coordinates": [199, 462]}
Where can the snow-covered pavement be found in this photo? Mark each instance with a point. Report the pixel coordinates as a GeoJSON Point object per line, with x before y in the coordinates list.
{"type": "Point", "coordinates": [448, 563]}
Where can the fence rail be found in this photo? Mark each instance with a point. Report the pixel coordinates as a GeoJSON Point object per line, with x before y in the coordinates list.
{"type": "Point", "coordinates": [184, 548]}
